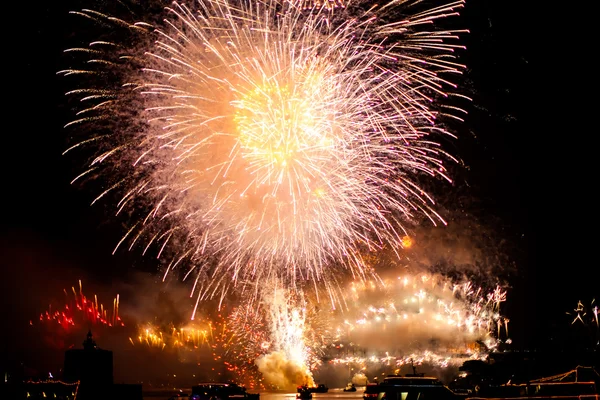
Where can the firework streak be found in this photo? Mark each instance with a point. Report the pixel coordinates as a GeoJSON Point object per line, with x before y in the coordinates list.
{"type": "Point", "coordinates": [212, 336]}
{"type": "Point", "coordinates": [418, 318]}
{"type": "Point", "coordinates": [250, 139]}
{"type": "Point", "coordinates": [79, 307]}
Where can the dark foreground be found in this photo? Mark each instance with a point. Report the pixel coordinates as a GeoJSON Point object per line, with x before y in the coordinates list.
{"type": "Point", "coordinates": [333, 394]}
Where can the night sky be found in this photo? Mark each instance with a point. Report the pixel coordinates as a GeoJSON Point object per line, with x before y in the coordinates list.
{"type": "Point", "coordinates": [527, 143]}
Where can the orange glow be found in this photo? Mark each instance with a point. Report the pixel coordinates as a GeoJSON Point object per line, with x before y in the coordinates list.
{"type": "Point", "coordinates": [407, 242]}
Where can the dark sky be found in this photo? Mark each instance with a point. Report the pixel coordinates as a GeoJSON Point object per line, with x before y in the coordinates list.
{"type": "Point", "coordinates": [528, 142]}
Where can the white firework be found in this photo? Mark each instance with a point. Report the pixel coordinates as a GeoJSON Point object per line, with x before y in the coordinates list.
{"type": "Point", "coordinates": [252, 139]}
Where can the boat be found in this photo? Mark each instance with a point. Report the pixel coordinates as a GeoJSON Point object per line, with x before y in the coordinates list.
{"type": "Point", "coordinates": [350, 388]}
{"type": "Point", "coordinates": [580, 383]}
{"type": "Point", "coordinates": [411, 379]}
{"type": "Point", "coordinates": [221, 391]}
{"type": "Point", "coordinates": [547, 390]}
{"type": "Point", "coordinates": [416, 391]}
{"type": "Point", "coordinates": [321, 388]}
{"type": "Point", "coordinates": [304, 393]}
{"type": "Point", "coordinates": [396, 387]}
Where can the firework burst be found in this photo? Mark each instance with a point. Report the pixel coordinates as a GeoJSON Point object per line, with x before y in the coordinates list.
{"type": "Point", "coordinates": [217, 339]}
{"type": "Point", "coordinates": [275, 336]}
{"type": "Point", "coordinates": [189, 337]}
{"type": "Point", "coordinates": [424, 303]}
{"type": "Point", "coordinates": [63, 324]}
{"type": "Point", "coordinates": [417, 319]}
{"type": "Point", "coordinates": [80, 309]}
{"type": "Point", "coordinates": [251, 139]}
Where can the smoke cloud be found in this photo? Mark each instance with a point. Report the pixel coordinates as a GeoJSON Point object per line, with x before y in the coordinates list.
{"type": "Point", "coordinates": [282, 373]}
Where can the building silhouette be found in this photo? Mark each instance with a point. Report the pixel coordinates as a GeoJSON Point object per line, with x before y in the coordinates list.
{"type": "Point", "coordinates": [89, 365]}
{"type": "Point", "coordinates": [87, 375]}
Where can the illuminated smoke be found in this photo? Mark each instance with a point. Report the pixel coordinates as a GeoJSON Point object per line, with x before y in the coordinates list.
{"type": "Point", "coordinates": [287, 365]}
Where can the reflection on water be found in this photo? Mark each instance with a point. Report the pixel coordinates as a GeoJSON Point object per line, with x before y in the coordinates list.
{"type": "Point", "coordinates": [337, 394]}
